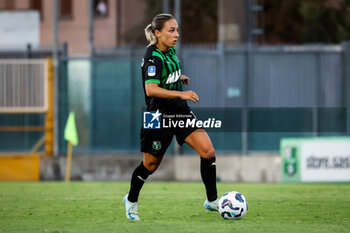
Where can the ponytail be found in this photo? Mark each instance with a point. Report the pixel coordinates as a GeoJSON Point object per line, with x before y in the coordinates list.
{"type": "Point", "coordinates": [150, 36]}
{"type": "Point", "coordinates": [157, 24]}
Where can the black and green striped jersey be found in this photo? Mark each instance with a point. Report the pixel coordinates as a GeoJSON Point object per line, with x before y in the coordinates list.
{"type": "Point", "coordinates": [164, 69]}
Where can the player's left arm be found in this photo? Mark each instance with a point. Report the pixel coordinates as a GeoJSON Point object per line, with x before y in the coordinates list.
{"type": "Point", "coordinates": [185, 80]}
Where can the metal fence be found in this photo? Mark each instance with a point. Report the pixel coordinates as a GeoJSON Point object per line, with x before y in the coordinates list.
{"type": "Point", "coordinates": [106, 92]}
{"type": "Point", "coordinates": [308, 77]}
{"type": "Point", "coordinates": [23, 96]}
{"type": "Point", "coordinates": [288, 76]}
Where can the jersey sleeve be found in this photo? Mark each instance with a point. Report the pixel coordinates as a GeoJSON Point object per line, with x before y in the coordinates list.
{"type": "Point", "coordinates": [153, 70]}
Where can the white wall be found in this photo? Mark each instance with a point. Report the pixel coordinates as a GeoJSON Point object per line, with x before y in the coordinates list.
{"type": "Point", "coordinates": [18, 28]}
{"type": "Point", "coordinates": [230, 168]}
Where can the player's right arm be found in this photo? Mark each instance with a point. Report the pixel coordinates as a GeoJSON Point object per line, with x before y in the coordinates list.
{"type": "Point", "coordinates": [152, 70]}
{"type": "Point", "coordinates": [154, 90]}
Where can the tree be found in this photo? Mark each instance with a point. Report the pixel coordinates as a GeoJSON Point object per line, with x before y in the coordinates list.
{"type": "Point", "coordinates": [282, 22]}
{"type": "Point", "coordinates": [199, 21]}
{"type": "Point", "coordinates": [307, 21]}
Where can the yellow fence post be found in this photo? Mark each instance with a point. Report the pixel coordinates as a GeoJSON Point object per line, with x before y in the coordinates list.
{"type": "Point", "coordinates": [49, 118]}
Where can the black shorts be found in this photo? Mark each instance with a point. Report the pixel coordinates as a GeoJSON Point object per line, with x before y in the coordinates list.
{"type": "Point", "coordinates": [157, 141]}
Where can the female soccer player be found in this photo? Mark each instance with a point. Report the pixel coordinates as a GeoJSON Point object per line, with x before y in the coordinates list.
{"type": "Point", "coordinates": [162, 83]}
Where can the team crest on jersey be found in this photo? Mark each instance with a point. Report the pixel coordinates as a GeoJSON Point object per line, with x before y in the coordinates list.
{"type": "Point", "coordinates": [156, 145]}
{"type": "Point", "coordinates": [151, 71]}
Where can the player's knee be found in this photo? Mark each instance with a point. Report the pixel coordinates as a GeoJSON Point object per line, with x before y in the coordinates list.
{"type": "Point", "coordinates": [209, 153]}
{"type": "Point", "coordinates": [152, 166]}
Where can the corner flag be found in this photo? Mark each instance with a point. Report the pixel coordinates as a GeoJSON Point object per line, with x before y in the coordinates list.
{"type": "Point", "coordinates": [70, 132]}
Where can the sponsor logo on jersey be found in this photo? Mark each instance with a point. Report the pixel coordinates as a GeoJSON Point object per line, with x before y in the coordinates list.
{"type": "Point", "coordinates": [173, 77]}
{"type": "Point", "coordinates": [151, 71]}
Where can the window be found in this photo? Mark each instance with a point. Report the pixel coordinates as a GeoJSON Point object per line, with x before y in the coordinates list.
{"type": "Point", "coordinates": [37, 5]}
{"type": "Point", "coordinates": [100, 7]}
{"type": "Point", "coordinates": [66, 9]}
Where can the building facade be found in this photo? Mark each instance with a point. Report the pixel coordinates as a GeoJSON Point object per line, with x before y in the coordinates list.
{"type": "Point", "coordinates": [113, 19]}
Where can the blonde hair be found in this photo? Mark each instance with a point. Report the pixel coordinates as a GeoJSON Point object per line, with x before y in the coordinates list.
{"type": "Point", "coordinates": [157, 24]}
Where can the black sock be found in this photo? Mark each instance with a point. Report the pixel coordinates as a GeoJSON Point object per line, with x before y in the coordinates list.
{"type": "Point", "coordinates": [208, 173]}
{"type": "Point", "coordinates": [138, 178]}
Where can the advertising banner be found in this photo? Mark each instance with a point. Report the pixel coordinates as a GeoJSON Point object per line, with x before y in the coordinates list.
{"type": "Point", "coordinates": [315, 159]}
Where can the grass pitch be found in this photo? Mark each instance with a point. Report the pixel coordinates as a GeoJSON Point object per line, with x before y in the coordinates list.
{"type": "Point", "coordinates": [171, 207]}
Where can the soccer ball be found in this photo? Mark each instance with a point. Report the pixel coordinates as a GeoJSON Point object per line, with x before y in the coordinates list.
{"type": "Point", "coordinates": [233, 205]}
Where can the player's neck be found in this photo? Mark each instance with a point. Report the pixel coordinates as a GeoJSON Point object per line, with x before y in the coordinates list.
{"type": "Point", "coordinates": [162, 47]}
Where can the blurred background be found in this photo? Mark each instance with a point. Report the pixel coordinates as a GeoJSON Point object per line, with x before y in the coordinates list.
{"type": "Point", "coordinates": [84, 56]}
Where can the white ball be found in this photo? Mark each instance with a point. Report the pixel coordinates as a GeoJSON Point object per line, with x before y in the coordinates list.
{"type": "Point", "coordinates": [233, 205]}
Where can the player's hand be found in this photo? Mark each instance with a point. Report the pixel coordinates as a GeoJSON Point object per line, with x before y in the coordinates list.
{"type": "Point", "coordinates": [190, 95]}
{"type": "Point", "coordinates": [185, 80]}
